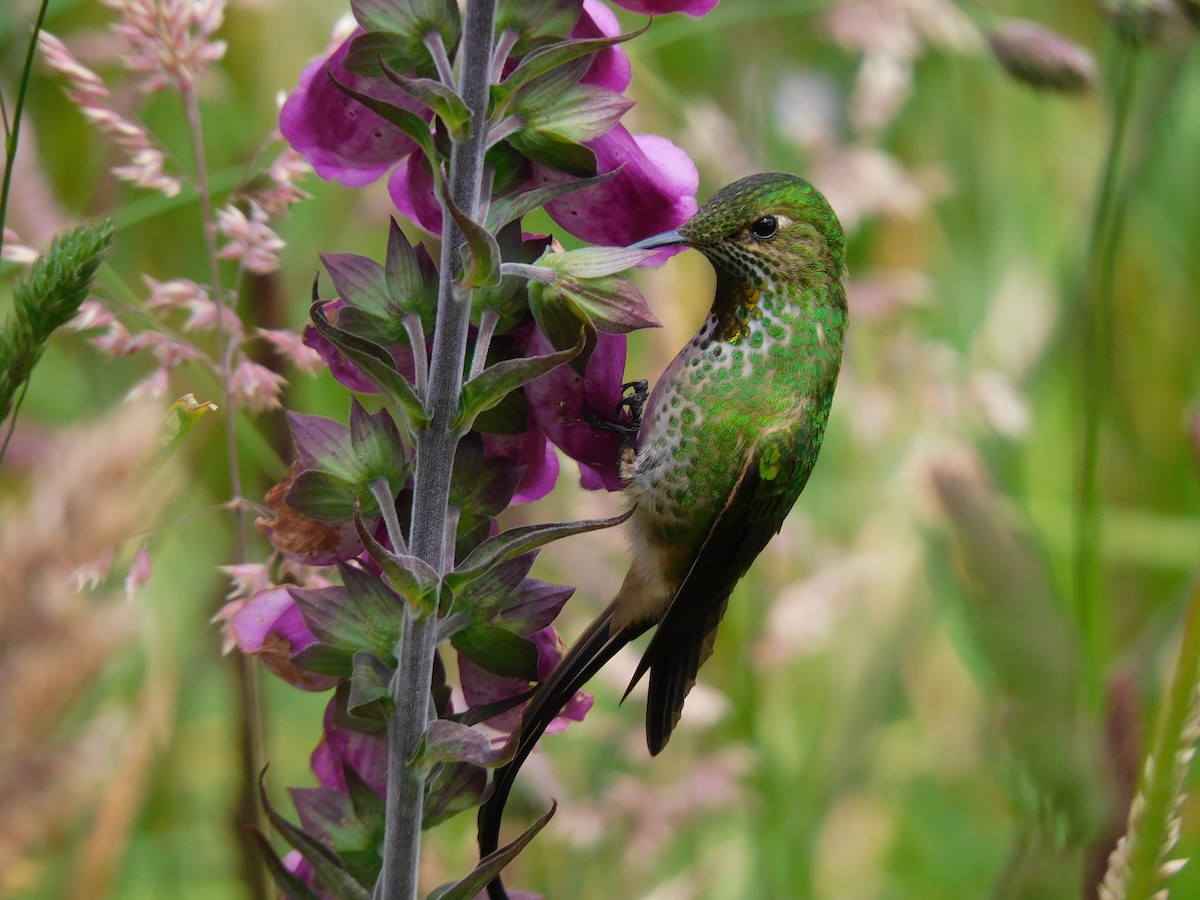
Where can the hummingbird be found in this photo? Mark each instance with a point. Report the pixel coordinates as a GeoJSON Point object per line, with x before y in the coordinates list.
{"type": "Point", "coordinates": [725, 444]}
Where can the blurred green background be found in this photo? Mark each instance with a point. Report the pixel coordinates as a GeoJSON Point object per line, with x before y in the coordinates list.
{"type": "Point", "coordinates": [897, 705]}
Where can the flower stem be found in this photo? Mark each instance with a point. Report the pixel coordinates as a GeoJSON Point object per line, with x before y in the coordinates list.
{"type": "Point", "coordinates": [434, 463]}
{"type": "Point", "coordinates": [249, 690]}
{"type": "Point", "coordinates": [12, 129]}
{"type": "Point", "coordinates": [1099, 275]}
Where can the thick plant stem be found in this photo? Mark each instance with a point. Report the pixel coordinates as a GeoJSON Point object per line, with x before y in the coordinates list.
{"type": "Point", "coordinates": [1098, 297]}
{"type": "Point", "coordinates": [434, 463]}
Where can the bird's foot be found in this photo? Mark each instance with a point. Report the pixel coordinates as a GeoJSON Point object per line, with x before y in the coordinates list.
{"type": "Point", "coordinates": [633, 403]}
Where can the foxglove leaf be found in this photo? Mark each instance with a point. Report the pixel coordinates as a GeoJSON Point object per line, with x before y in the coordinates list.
{"type": "Point", "coordinates": [516, 541]}
{"type": "Point", "coordinates": [546, 59]}
{"type": "Point", "coordinates": [535, 21]}
{"type": "Point", "coordinates": [329, 870]}
{"type": "Point", "coordinates": [409, 576]}
{"type": "Point", "coordinates": [376, 364]}
{"type": "Point", "coordinates": [370, 687]}
{"type": "Point", "coordinates": [408, 23]}
{"type": "Point", "coordinates": [453, 788]}
{"type": "Point", "coordinates": [491, 865]}
{"type": "Point", "coordinates": [410, 276]}
{"type": "Point", "coordinates": [443, 100]}
{"type": "Point", "coordinates": [447, 741]}
{"type": "Point", "coordinates": [482, 253]}
{"type": "Point", "coordinates": [494, 383]}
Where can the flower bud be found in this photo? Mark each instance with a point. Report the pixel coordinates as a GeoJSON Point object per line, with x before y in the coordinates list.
{"type": "Point", "coordinates": [1042, 58]}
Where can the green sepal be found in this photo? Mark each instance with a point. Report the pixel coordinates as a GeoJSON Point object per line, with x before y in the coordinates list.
{"type": "Point", "coordinates": [339, 470]}
{"type": "Point", "coordinates": [376, 363]}
{"type": "Point", "coordinates": [329, 870]}
{"type": "Point", "coordinates": [447, 741]}
{"type": "Point", "coordinates": [329, 815]}
{"type": "Point", "coordinates": [181, 418]}
{"type": "Point", "coordinates": [442, 99]}
{"type": "Point", "coordinates": [491, 865]}
{"type": "Point", "coordinates": [481, 252]}
{"type": "Point", "coordinates": [515, 541]}
{"type": "Point", "coordinates": [545, 60]}
{"type": "Point", "coordinates": [511, 208]}
{"type": "Point", "coordinates": [405, 28]}
{"type": "Point", "coordinates": [535, 21]}
{"type": "Point", "coordinates": [361, 614]}
{"type": "Point", "coordinates": [370, 695]}
{"type": "Point", "coordinates": [288, 883]}
{"type": "Point", "coordinates": [404, 119]}
{"type": "Point", "coordinates": [497, 381]}
{"type": "Point", "coordinates": [498, 650]}
{"type": "Point", "coordinates": [453, 788]}
{"type": "Point", "coordinates": [413, 579]}
{"type": "Point", "coordinates": [377, 298]}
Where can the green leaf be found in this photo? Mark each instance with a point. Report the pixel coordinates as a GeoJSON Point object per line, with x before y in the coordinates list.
{"type": "Point", "coordinates": [409, 576]}
{"type": "Point", "coordinates": [482, 252]}
{"type": "Point", "coordinates": [555, 152]}
{"type": "Point", "coordinates": [370, 687]}
{"type": "Point", "coordinates": [497, 381]}
{"type": "Point", "coordinates": [491, 865]}
{"type": "Point", "coordinates": [376, 363]}
{"type": "Point", "coordinates": [453, 787]}
{"type": "Point", "coordinates": [498, 650]}
{"type": "Point", "coordinates": [447, 741]}
{"type": "Point", "coordinates": [515, 541]}
{"type": "Point", "coordinates": [443, 100]}
{"type": "Point", "coordinates": [329, 816]}
{"type": "Point", "coordinates": [408, 25]}
{"type": "Point", "coordinates": [545, 60]}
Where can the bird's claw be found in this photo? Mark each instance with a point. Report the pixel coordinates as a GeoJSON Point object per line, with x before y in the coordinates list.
{"type": "Point", "coordinates": [633, 404]}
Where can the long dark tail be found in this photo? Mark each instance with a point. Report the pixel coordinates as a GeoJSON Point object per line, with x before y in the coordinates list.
{"type": "Point", "coordinates": [596, 646]}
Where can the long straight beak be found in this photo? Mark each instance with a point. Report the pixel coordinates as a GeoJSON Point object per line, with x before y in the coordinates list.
{"type": "Point", "coordinates": [666, 239]}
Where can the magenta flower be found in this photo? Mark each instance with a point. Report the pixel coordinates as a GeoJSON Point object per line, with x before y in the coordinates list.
{"type": "Point", "coordinates": [365, 753]}
{"type": "Point", "coordinates": [695, 8]}
{"type": "Point", "coordinates": [557, 400]}
{"type": "Point", "coordinates": [654, 192]}
{"type": "Point", "coordinates": [343, 139]}
{"type": "Point", "coordinates": [610, 69]}
{"type": "Point", "coordinates": [269, 624]}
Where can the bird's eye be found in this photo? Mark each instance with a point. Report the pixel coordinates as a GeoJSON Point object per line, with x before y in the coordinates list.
{"type": "Point", "coordinates": [764, 228]}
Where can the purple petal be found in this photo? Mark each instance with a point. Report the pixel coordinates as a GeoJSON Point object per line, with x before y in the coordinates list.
{"type": "Point", "coordinates": [365, 753]}
{"type": "Point", "coordinates": [411, 189]}
{"type": "Point", "coordinates": [557, 400]}
{"type": "Point", "coordinates": [695, 8]}
{"type": "Point", "coordinates": [610, 69]}
{"type": "Point", "coordinates": [270, 625]}
{"type": "Point", "coordinates": [654, 192]}
{"type": "Point", "coordinates": [343, 139]}
{"type": "Point", "coordinates": [531, 450]}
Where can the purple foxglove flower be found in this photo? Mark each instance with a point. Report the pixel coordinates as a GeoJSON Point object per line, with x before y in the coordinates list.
{"type": "Point", "coordinates": [610, 69]}
{"type": "Point", "coordinates": [696, 8]}
{"type": "Point", "coordinates": [345, 372]}
{"type": "Point", "coordinates": [365, 753]}
{"type": "Point", "coordinates": [411, 189]}
{"type": "Point", "coordinates": [654, 192]}
{"type": "Point", "coordinates": [557, 400]}
{"type": "Point", "coordinates": [481, 687]}
{"type": "Point", "coordinates": [531, 450]}
{"type": "Point", "coordinates": [270, 624]}
{"type": "Point", "coordinates": [343, 139]}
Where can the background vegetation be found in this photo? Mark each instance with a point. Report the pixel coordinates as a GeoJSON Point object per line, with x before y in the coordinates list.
{"type": "Point", "coordinates": [903, 702]}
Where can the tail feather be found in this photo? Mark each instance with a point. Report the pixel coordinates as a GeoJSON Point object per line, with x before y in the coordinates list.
{"type": "Point", "coordinates": [596, 646]}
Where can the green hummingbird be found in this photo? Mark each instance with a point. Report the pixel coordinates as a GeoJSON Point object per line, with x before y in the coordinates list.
{"type": "Point", "coordinates": [726, 443]}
